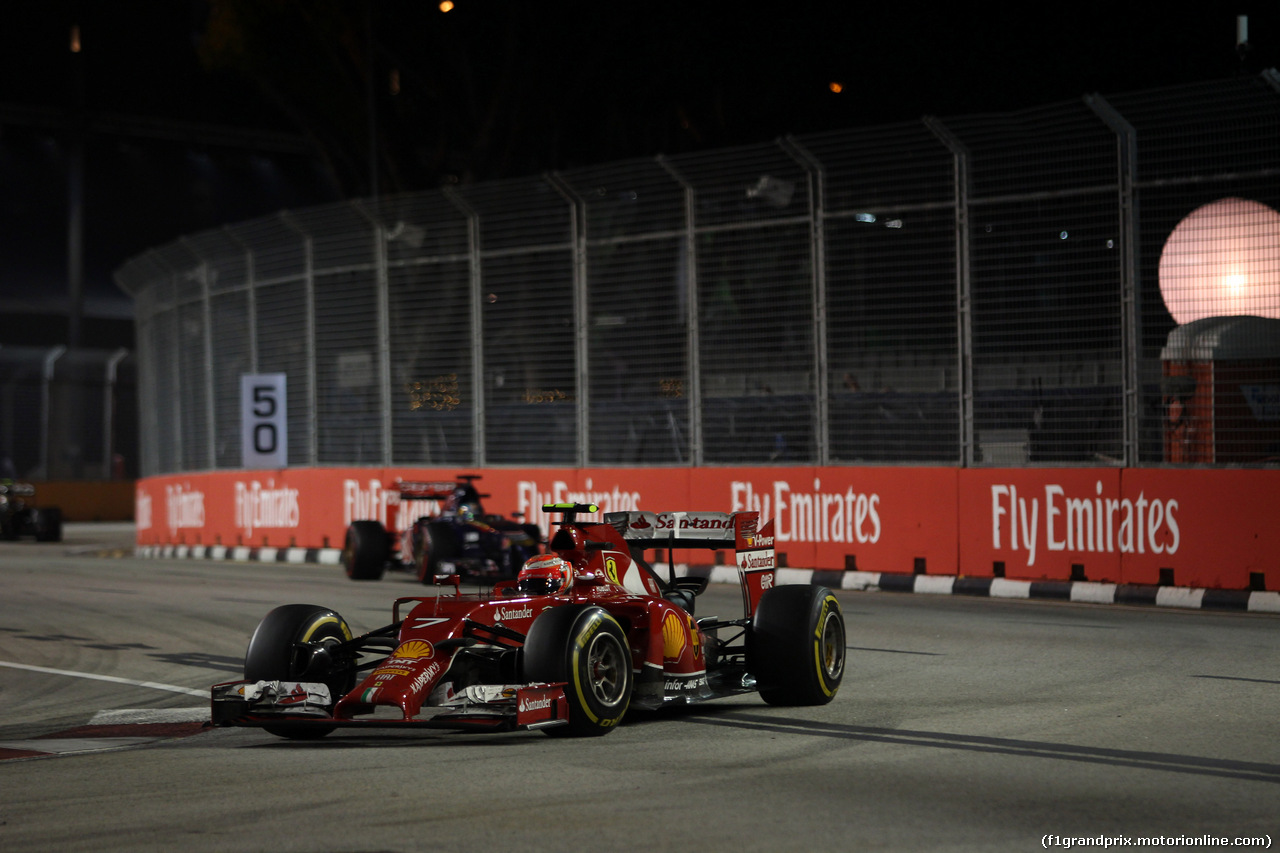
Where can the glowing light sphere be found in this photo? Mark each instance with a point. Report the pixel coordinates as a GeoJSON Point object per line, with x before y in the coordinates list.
{"type": "Point", "coordinates": [1223, 260]}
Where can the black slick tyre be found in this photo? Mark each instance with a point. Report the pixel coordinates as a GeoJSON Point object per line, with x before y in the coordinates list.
{"type": "Point", "coordinates": [795, 648]}
{"type": "Point", "coordinates": [585, 647]}
{"type": "Point", "coordinates": [47, 523]}
{"type": "Point", "coordinates": [433, 541]}
{"type": "Point", "coordinates": [294, 643]}
{"type": "Point", "coordinates": [365, 551]}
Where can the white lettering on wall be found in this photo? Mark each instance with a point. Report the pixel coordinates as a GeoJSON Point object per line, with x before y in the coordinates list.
{"type": "Point", "coordinates": [1083, 524]}
{"type": "Point", "coordinates": [368, 503]}
{"type": "Point", "coordinates": [259, 506]}
{"type": "Point", "coordinates": [184, 506]}
{"type": "Point", "coordinates": [812, 516]}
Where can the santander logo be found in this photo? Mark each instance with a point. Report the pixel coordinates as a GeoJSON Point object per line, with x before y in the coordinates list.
{"type": "Point", "coordinates": [530, 704]}
{"type": "Point", "coordinates": [503, 614]}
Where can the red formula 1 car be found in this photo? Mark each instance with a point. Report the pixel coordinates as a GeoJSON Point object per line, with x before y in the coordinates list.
{"type": "Point", "coordinates": [587, 631]}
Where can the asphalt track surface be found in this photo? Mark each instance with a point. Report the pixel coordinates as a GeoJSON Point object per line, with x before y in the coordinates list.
{"type": "Point", "coordinates": [962, 724]}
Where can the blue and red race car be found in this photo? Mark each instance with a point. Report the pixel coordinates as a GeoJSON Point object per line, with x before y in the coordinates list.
{"type": "Point", "coordinates": [450, 533]}
{"type": "Point", "coordinates": [586, 632]}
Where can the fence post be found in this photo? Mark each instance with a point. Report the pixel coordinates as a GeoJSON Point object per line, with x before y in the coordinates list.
{"type": "Point", "coordinates": [693, 342]}
{"type": "Point", "coordinates": [202, 274]}
{"type": "Point", "coordinates": [582, 391]}
{"type": "Point", "coordinates": [46, 380]}
{"type": "Point", "coordinates": [964, 293]}
{"type": "Point", "coordinates": [382, 288]}
{"type": "Point", "coordinates": [478, 452]}
{"type": "Point", "coordinates": [251, 299]}
{"type": "Point", "coordinates": [109, 411]}
{"type": "Point", "coordinates": [818, 278]}
{"type": "Point", "coordinates": [1130, 319]}
{"type": "Point", "coordinates": [309, 282]}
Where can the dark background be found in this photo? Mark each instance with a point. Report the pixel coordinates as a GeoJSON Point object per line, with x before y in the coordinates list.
{"type": "Point", "coordinates": [195, 113]}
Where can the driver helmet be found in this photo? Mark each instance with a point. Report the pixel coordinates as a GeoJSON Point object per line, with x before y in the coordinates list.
{"type": "Point", "coordinates": [544, 574]}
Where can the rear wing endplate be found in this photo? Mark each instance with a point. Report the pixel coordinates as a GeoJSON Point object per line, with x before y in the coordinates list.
{"type": "Point", "coordinates": [752, 543]}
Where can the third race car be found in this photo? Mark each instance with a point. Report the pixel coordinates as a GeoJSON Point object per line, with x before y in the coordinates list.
{"type": "Point", "coordinates": [19, 515]}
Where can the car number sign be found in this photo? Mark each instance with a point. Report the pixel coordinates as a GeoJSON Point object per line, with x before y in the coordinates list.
{"type": "Point", "coordinates": [263, 421]}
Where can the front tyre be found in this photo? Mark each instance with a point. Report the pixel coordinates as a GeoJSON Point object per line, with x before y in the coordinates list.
{"type": "Point", "coordinates": [47, 523]}
{"type": "Point", "coordinates": [585, 647]}
{"type": "Point", "coordinates": [434, 542]}
{"type": "Point", "coordinates": [295, 643]}
{"type": "Point", "coordinates": [365, 551]}
{"type": "Point", "coordinates": [795, 648]}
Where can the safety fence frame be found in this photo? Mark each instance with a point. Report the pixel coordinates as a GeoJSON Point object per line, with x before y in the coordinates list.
{"type": "Point", "coordinates": [973, 291]}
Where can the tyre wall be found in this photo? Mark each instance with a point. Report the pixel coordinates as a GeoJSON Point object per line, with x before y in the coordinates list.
{"type": "Point", "coordinates": [1210, 529]}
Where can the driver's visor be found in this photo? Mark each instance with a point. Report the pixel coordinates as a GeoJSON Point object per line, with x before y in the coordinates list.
{"type": "Point", "coordinates": [539, 586]}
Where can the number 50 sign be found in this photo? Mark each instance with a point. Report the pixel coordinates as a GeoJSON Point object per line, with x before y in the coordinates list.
{"type": "Point", "coordinates": [263, 421]}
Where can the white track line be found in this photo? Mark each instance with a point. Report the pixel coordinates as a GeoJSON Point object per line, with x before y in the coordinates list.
{"type": "Point", "coordinates": [153, 685]}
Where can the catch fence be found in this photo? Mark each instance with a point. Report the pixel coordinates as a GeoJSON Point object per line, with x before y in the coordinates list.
{"type": "Point", "coordinates": [971, 291]}
{"type": "Point", "coordinates": [68, 414]}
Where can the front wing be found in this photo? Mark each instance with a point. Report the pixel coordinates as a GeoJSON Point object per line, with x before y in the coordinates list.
{"type": "Point", "coordinates": [482, 707]}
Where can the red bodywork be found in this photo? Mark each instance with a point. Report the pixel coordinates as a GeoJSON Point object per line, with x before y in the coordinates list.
{"type": "Point", "coordinates": [455, 661]}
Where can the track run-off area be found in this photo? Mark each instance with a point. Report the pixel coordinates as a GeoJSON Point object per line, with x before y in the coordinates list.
{"type": "Point", "coordinates": [962, 724]}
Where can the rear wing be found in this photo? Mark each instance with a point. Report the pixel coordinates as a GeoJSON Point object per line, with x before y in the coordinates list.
{"type": "Point", "coordinates": [425, 491]}
{"type": "Point", "coordinates": [752, 543]}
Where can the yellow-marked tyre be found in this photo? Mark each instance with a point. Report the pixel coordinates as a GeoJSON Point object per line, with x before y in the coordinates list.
{"type": "Point", "coordinates": [586, 648]}
{"type": "Point", "coordinates": [796, 646]}
{"type": "Point", "coordinates": [293, 643]}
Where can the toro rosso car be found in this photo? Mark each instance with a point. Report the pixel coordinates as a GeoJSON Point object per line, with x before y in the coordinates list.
{"type": "Point", "coordinates": [584, 633]}
{"type": "Point", "coordinates": [451, 534]}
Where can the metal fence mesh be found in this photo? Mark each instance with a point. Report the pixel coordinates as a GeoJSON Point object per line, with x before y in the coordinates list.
{"type": "Point", "coordinates": [979, 290]}
{"type": "Point", "coordinates": [68, 414]}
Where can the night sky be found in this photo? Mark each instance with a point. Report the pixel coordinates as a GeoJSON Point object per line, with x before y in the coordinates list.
{"type": "Point", "coordinates": [496, 89]}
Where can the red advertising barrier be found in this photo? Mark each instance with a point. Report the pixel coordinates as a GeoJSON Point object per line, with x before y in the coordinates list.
{"type": "Point", "coordinates": [1203, 528]}
{"type": "Point", "coordinates": [1031, 524]}
{"type": "Point", "coordinates": [1212, 529]}
{"type": "Point", "coordinates": [1206, 528]}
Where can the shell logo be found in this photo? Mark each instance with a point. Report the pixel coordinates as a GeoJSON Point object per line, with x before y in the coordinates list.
{"type": "Point", "coordinates": [674, 637]}
{"type": "Point", "coordinates": [696, 636]}
{"type": "Point", "coordinates": [415, 650]}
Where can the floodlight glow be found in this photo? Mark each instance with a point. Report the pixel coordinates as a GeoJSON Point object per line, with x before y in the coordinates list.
{"type": "Point", "coordinates": [1223, 260]}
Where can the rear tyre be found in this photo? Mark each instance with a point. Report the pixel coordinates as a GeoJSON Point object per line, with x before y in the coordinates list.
{"type": "Point", "coordinates": [795, 648]}
{"type": "Point", "coordinates": [47, 523]}
{"type": "Point", "coordinates": [365, 551]}
{"type": "Point", "coordinates": [294, 643]}
{"type": "Point", "coordinates": [585, 647]}
{"type": "Point", "coordinates": [433, 541]}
